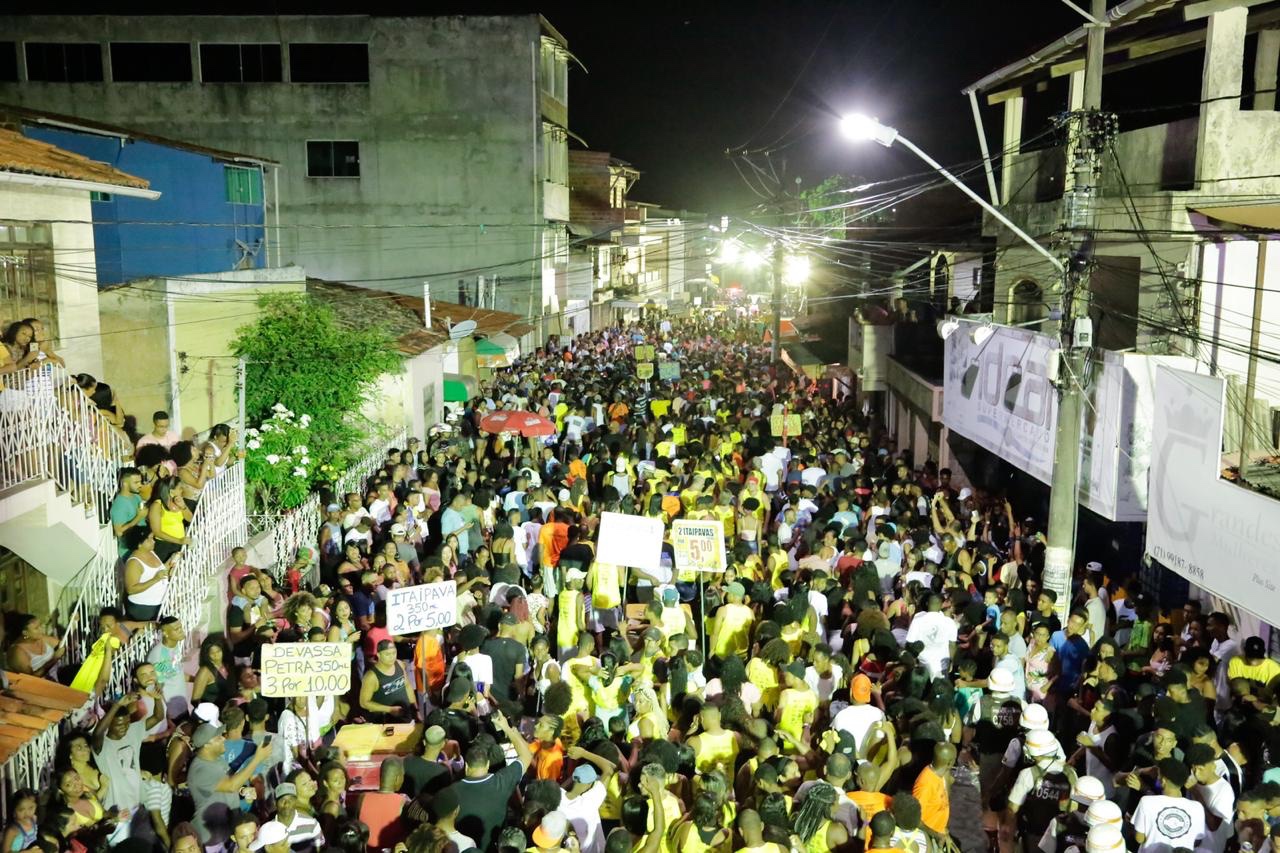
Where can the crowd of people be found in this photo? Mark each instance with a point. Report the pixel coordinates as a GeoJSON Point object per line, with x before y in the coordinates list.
{"type": "Point", "coordinates": [879, 667]}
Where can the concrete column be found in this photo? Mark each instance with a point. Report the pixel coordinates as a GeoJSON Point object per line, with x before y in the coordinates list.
{"type": "Point", "coordinates": [1220, 88]}
{"type": "Point", "coordinates": [1013, 109]}
{"type": "Point", "coordinates": [1075, 101]}
{"type": "Point", "coordinates": [1264, 70]}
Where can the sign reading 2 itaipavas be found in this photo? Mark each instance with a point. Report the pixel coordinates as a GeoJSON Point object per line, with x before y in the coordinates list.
{"type": "Point", "coordinates": [699, 545]}
{"type": "Point", "coordinates": [412, 609]}
{"type": "Point", "coordinates": [306, 669]}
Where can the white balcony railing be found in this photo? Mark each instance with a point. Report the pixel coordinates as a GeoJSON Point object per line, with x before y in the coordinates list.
{"type": "Point", "coordinates": [52, 430]}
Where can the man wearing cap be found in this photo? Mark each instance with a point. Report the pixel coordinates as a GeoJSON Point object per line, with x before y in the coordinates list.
{"type": "Point", "coordinates": [581, 803]}
{"type": "Point", "coordinates": [550, 834]}
{"type": "Point", "coordinates": [1068, 830]}
{"type": "Point", "coordinates": [1042, 790]}
{"type": "Point", "coordinates": [1166, 821]}
{"type": "Point", "coordinates": [272, 837]}
{"type": "Point", "coordinates": [858, 718]}
{"type": "Point", "coordinates": [303, 831]}
{"type": "Point", "coordinates": [215, 791]}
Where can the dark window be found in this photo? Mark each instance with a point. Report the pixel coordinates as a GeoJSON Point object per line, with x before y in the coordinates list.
{"type": "Point", "coordinates": [151, 62]}
{"type": "Point", "coordinates": [244, 186]}
{"type": "Point", "coordinates": [94, 195]}
{"type": "Point", "coordinates": [9, 61]}
{"type": "Point", "coordinates": [76, 62]}
{"type": "Point", "coordinates": [333, 159]}
{"type": "Point", "coordinates": [240, 63]}
{"type": "Point", "coordinates": [329, 63]}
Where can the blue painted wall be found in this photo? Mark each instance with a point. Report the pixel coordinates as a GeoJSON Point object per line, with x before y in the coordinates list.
{"type": "Point", "coordinates": [190, 230]}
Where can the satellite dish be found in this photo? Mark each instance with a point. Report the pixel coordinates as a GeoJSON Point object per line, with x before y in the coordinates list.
{"type": "Point", "coordinates": [465, 329]}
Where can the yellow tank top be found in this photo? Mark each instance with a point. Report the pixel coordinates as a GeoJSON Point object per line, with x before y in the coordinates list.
{"type": "Point", "coordinates": [719, 748]}
{"type": "Point", "coordinates": [568, 604]}
{"type": "Point", "coordinates": [606, 585]}
{"type": "Point", "coordinates": [581, 700]}
{"type": "Point", "coordinates": [605, 696]}
{"type": "Point", "coordinates": [795, 705]}
{"type": "Point", "coordinates": [817, 842]}
{"type": "Point", "coordinates": [171, 524]}
{"type": "Point", "coordinates": [764, 677]}
{"type": "Point", "coordinates": [673, 621]}
{"type": "Point", "coordinates": [734, 634]}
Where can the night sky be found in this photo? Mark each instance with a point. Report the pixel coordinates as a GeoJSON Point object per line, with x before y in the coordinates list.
{"type": "Point", "coordinates": [671, 86]}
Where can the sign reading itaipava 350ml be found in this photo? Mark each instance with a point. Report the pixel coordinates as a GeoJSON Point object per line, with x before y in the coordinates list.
{"type": "Point", "coordinates": [699, 545]}
{"type": "Point", "coordinates": [306, 669]}
{"type": "Point", "coordinates": [412, 609]}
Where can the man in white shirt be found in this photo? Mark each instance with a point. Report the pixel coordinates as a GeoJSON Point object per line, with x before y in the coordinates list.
{"type": "Point", "coordinates": [823, 676]}
{"type": "Point", "coordinates": [858, 718]}
{"type": "Point", "coordinates": [581, 803]}
{"type": "Point", "coordinates": [938, 632]}
{"type": "Point", "coordinates": [1224, 648]}
{"type": "Point", "coordinates": [1215, 794]}
{"type": "Point", "coordinates": [772, 468]}
{"type": "Point", "coordinates": [1166, 821]}
{"type": "Point", "coordinates": [1094, 743]}
{"type": "Point", "coordinates": [1095, 608]}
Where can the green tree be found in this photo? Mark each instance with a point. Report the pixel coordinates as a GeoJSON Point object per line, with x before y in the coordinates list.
{"type": "Point", "coordinates": [302, 359]}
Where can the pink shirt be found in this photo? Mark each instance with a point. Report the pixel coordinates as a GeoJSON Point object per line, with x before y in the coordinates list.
{"type": "Point", "coordinates": [169, 439]}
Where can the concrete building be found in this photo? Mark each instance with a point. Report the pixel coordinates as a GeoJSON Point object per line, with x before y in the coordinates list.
{"type": "Point", "coordinates": [211, 215]}
{"type": "Point", "coordinates": [599, 212]}
{"type": "Point", "coordinates": [410, 148]}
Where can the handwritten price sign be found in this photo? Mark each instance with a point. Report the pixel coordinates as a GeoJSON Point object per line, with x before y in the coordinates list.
{"type": "Point", "coordinates": [644, 370]}
{"type": "Point", "coordinates": [699, 545]}
{"type": "Point", "coordinates": [306, 669]}
{"type": "Point", "coordinates": [644, 353]}
{"type": "Point", "coordinates": [412, 609]}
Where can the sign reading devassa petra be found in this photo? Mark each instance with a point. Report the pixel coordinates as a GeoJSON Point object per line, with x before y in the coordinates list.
{"type": "Point", "coordinates": [699, 545]}
{"type": "Point", "coordinates": [306, 669]}
{"type": "Point", "coordinates": [423, 607]}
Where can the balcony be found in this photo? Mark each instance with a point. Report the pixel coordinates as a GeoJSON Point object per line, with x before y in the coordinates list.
{"type": "Point", "coordinates": [555, 202]}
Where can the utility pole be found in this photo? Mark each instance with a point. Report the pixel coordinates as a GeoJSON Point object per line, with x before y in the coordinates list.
{"type": "Point", "coordinates": [1089, 131]}
{"type": "Point", "coordinates": [776, 353]}
{"type": "Point", "coordinates": [240, 388]}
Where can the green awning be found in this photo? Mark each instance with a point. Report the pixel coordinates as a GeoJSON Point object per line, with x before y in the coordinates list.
{"type": "Point", "coordinates": [455, 392]}
{"type": "Point", "coordinates": [488, 347]}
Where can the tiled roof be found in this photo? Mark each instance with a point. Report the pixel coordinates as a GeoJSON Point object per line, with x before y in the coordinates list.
{"type": "Point", "coordinates": [32, 705]}
{"type": "Point", "coordinates": [402, 315]}
{"type": "Point", "coordinates": [30, 157]}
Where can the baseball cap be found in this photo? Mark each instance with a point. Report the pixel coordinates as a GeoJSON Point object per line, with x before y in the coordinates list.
{"type": "Point", "coordinates": [435, 735]}
{"type": "Point", "coordinates": [1104, 838]}
{"type": "Point", "coordinates": [575, 575]}
{"type": "Point", "coordinates": [552, 830]}
{"type": "Point", "coordinates": [1034, 718]}
{"type": "Point", "coordinates": [1093, 566]}
{"type": "Point", "coordinates": [1000, 681]}
{"type": "Point", "coordinates": [1040, 743]}
{"type": "Point", "coordinates": [1103, 812]}
{"type": "Point", "coordinates": [333, 508]}
{"type": "Point", "coordinates": [735, 588]}
{"type": "Point", "coordinates": [965, 492]}
{"type": "Point", "coordinates": [286, 789]}
{"type": "Point", "coordinates": [796, 668]}
{"type": "Point", "coordinates": [271, 832]}
{"type": "Point", "coordinates": [399, 530]}
{"type": "Point", "coordinates": [585, 773]}
{"type": "Point", "coordinates": [207, 712]}
{"type": "Point", "coordinates": [860, 688]}
{"type": "Point", "coordinates": [1087, 790]}
{"type": "Point", "coordinates": [204, 734]}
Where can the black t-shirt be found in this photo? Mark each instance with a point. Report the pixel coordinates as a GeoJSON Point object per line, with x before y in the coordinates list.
{"type": "Point", "coordinates": [457, 725]}
{"type": "Point", "coordinates": [424, 777]}
{"type": "Point", "coordinates": [1035, 618]}
{"type": "Point", "coordinates": [506, 655]}
{"type": "Point", "coordinates": [482, 803]}
{"type": "Point", "coordinates": [578, 553]}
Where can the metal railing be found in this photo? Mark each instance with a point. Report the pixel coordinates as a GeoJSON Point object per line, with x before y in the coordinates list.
{"type": "Point", "coordinates": [52, 430]}
{"type": "Point", "coordinates": [372, 460]}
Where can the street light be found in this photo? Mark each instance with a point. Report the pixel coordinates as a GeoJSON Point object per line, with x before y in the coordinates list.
{"type": "Point", "coordinates": [862, 127]}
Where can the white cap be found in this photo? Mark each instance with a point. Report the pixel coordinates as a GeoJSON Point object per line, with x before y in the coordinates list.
{"type": "Point", "coordinates": [1034, 718]}
{"type": "Point", "coordinates": [1093, 566]}
{"type": "Point", "coordinates": [271, 832]}
{"type": "Point", "coordinates": [1087, 790]}
{"type": "Point", "coordinates": [208, 712]}
{"type": "Point", "coordinates": [399, 530]}
{"type": "Point", "coordinates": [1000, 681]}
{"type": "Point", "coordinates": [1039, 743]}
{"type": "Point", "coordinates": [1102, 812]}
{"type": "Point", "coordinates": [965, 492]}
{"type": "Point", "coordinates": [1104, 838]}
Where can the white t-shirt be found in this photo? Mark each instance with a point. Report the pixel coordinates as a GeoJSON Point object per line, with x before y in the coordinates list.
{"type": "Point", "coordinates": [1220, 801]}
{"type": "Point", "coordinates": [583, 813]}
{"type": "Point", "coordinates": [771, 467]}
{"type": "Point", "coordinates": [118, 762]}
{"type": "Point", "coordinates": [1093, 765]}
{"type": "Point", "coordinates": [1168, 823]}
{"type": "Point", "coordinates": [857, 720]}
{"type": "Point", "coordinates": [937, 631]}
{"type": "Point", "coordinates": [823, 685]}
{"type": "Point", "coordinates": [812, 476]}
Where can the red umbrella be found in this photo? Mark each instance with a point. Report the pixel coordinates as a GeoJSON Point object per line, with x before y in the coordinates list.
{"type": "Point", "coordinates": [527, 424]}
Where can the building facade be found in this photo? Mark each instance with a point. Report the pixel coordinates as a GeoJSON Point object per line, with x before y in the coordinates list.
{"type": "Point", "coordinates": [410, 148]}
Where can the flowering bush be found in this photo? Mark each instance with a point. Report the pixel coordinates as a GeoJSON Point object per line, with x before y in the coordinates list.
{"type": "Point", "coordinates": [279, 468]}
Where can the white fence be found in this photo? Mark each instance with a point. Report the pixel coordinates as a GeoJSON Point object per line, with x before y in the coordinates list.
{"type": "Point", "coordinates": [52, 430]}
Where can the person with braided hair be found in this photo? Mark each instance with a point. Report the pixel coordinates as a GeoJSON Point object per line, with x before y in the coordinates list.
{"type": "Point", "coordinates": [814, 825]}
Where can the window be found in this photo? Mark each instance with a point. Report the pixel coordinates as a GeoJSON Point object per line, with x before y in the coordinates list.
{"type": "Point", "coordinates": [329, 63]}
{"type": "Point", "coordinates": [27, 286]}
{"type": "Point", "coordinates": [94, 195]}
{"type": "Point", "coordinates": [56, 62]}
{"type": "Point", "coordinates": [151, 62]}
{"type": "Point", "coordinates": [8, 62]}
{"type": "Point", "coordinates": [240, 63]}
{"type": "Point", "coordinates": [244, 185]}
{"type": "Point", "coordinates": [333, 159]}
{"type": "Point", "coordinates": [555, 154]}
{"type": "Point", "coordinates": [555, 70]}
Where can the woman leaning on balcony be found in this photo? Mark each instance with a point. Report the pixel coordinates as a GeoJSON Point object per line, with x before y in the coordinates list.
{"type": "Point", "coordinates": [146, 577]}
{"type": "Point", "coordinates": [33, 650]}
{"type": "Point", "coordinates": [167, 517]}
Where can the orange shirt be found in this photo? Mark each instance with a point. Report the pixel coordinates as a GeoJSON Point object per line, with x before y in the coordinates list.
{"type": "Point", "coordinates": [552, 539]}
{"type": "Point", "coordinates": [577, 471]}
{"type": "Point", "coordinates": [870, 804]}
{"type": "Point", "coordinates": [935, 803]}
{"type": "Point", "coordinates": [428, 660]}
{"type": "Point", "coordinates": [547, 760]}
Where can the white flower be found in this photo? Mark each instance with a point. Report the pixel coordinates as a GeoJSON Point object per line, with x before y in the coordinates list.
{"type": "Point", "coordinates": [306, 460]}
{"type": "Point", "coordinates": [299, 471]}
{"type": "Point", "coordinates": [279, 407]}
{"type": "Point", "coordinates": [272, 459]}
{"type": "Point", "coordinates": [253, 444]}
{"type": "Point", "coordinates": [301, 450]}
{"type": "Point", "coordinates": [251, 432]}
{"type": "Point", "coordinates": [267, 427]}
{"type": "Point", "coordinates": [305, 420]}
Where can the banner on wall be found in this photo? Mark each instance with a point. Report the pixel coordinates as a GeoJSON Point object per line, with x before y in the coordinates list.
{"type": "Point", "coordinates": [1222, 537]}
